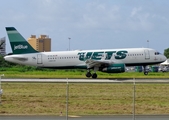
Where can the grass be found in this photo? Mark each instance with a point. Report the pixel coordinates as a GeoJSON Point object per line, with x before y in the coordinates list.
{"type": "Point", "coordinates": [84, 98]}
{"type": "Point", "coordinates": [79, 74]}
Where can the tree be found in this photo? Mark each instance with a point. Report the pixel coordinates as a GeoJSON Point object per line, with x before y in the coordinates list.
{"type": "Point", "coordinates": [4, 63]}
{"type": "Point", "coordinates": [166, 52]}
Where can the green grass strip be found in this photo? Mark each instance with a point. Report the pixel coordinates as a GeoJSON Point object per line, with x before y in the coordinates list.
{"type": "Point", "coordinates": [84, 98]}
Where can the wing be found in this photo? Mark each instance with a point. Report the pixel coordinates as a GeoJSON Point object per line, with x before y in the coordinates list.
{"type": "Point", "coordinates": [97, 63]}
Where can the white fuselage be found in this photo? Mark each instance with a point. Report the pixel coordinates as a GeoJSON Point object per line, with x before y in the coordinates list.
{"type": "Point", "coordinates": [75, 59]}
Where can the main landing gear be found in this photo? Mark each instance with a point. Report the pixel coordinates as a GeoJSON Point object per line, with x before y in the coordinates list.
{"type": "Point", "coordinates": [88, 74]}
{"type": "Point", "coordinates": [145, 70]}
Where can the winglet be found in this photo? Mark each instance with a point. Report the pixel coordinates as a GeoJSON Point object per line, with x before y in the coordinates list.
{"type": "Point", "coordinates": [18, 43]}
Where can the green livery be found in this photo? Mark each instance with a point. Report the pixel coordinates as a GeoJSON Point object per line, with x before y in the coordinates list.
{"type": "Point", "coordinates": [18, 43]}
{"type": "Point", "coordinates": [83, 56]}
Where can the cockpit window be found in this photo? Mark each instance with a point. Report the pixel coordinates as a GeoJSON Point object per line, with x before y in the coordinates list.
{"type": "Point", "coordinates": [157, 53]}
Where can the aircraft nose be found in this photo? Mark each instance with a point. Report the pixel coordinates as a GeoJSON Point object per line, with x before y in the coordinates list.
{"type": "Point", "coordinates": [164, 58]}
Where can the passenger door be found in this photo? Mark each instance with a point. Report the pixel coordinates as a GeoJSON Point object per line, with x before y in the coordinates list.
{"type": "Point", "coordinates": [147, 54]}
{"type": "Point", "coordinates": [39, 59]}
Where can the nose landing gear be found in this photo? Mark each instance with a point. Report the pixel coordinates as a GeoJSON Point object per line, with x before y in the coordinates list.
{"type": "Point", "coordinates": [145, 70]}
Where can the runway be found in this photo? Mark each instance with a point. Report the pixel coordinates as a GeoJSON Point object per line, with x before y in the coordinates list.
{"type": "Point", "coordinates": [90, 80]}
{"type": "Point", "coordinates": [107, 117]}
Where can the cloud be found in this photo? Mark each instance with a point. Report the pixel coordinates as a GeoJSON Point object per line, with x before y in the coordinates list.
{"type": "Point", "coordinates": [140, 20]}
{"type": "Point", "coordinates": [88, 20]}
{"type": "Point", "coordinates": [135, 11]}
{"type": "Point", "coordinates": [99, 15]}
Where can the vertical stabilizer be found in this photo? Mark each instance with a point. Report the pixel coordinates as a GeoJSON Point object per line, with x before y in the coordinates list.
{"type": "Point", "coordinates": [18, 43]}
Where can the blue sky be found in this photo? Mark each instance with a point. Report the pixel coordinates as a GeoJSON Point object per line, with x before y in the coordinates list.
{"type": "Point", "coordinates": [91, 24]}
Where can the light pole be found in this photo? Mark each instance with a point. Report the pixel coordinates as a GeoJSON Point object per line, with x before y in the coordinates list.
{"type": "Point", "coordinates": [69, 43]}
{"type": "Point", "coordinates": [1, 90]}
{"type": "Point", "coordinates": [148, 43]}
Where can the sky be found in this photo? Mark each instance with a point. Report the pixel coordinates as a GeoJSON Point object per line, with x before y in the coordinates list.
{"type": "Point", "coordinates": [91, 24]}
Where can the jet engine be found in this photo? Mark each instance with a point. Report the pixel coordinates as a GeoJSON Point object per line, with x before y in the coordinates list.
{"type": "Point", "coordinates": [114, 68]}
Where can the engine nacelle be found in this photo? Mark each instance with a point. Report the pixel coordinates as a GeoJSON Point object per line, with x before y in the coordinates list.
{"type": "Point", "coordinates": [114, 68]}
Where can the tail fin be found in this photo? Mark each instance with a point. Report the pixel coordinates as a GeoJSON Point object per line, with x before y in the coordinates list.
{"type": "Point", "coordinates": [18, 44]}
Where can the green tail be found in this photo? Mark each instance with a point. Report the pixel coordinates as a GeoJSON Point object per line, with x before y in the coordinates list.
{"type": "Point", "coordinates": [18, 43]}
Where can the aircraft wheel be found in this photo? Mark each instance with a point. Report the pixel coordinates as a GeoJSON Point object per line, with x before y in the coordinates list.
{"type": "Point", "coordinates": [94, 76]}
{"type": "Point", "coordinates": [88, 74]}
{"type": "Point", "coordinates": [145, 73]}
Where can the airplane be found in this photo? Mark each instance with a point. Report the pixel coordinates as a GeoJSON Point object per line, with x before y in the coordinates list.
{"type": "Point", "coordinates": [104, 60]}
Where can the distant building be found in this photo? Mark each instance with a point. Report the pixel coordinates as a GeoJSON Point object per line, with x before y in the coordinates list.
{"type": "Point", "coordinates": [3, 46]}
{"type": "Point", "coordinates": [41, 44]}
